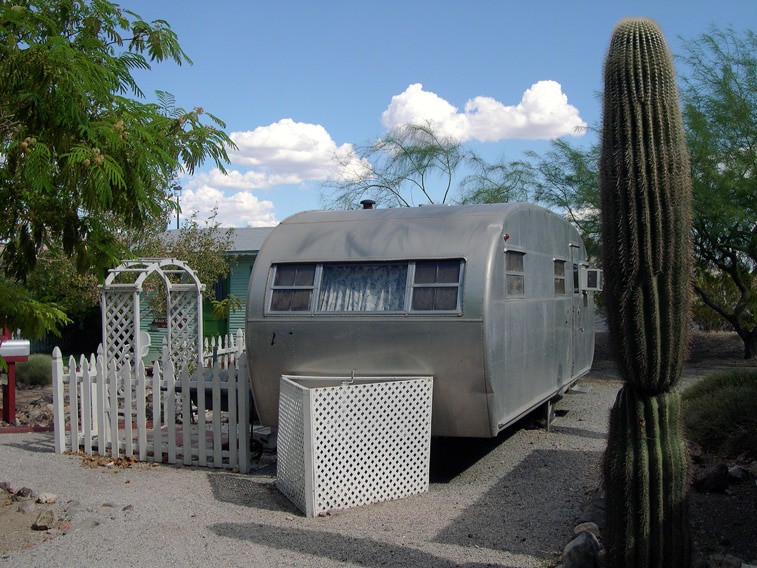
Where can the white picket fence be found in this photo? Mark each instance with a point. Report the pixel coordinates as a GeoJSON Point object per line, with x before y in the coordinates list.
{"type": "Point", "coordinates": [224, 350]}
{"type": "Point", "coordinates": [130, 413]}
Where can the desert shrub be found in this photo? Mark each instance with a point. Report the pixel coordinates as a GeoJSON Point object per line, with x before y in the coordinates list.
{"type": "Point", "coordinates": [37, 371]}
{"type": "Point", "coordinates": [720, 413]}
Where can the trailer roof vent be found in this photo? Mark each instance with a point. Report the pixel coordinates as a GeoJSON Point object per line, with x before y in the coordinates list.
{"type": "Point", "coordinates": [367, 203]}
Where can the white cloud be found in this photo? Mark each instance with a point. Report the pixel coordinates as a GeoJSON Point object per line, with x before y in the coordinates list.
{"type": "Point", "coordinates": [240, 209]}
{"type": "Point", "coordinates": [234, 179]}
{"type": "Point", "coordinates": [292, 152]}
{"type": "Point", "coordinates": [542, 113]}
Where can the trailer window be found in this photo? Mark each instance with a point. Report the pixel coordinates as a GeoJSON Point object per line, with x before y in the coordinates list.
{"type": "Point", "coordinates": [515, 275]}
{"type": "Point", "coordinates": [367, 287]}
{"type": "Point", "coordinates": [575, 279]}
{"type": "Point", "coordinates": [436, 285]}
{"type": "Point", "coordinates": [375, 287]}
{"type": "Point", "coordinates": [559, 277]}
{"type": "Point", "coordinates": [292, 287]}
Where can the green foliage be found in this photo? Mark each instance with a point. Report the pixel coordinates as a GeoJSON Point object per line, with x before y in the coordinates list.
{"type": "Point", "coordinates": [222, 308]}
{"type": "Point", "coordinates": [79, 294]}
{"type": "Point", "coordinates": [501, 182]}
{"type": "Point", "coordinates": [82, 162]}
{"type": "Point", "coordinates": [720, 413]}
{"type": "Point", "coordinates": [566, 178]}
{"type": "Point", "coordinates": [401, 169]}
{"type": "Point", "coordinates": [203, 246]}
{"type": "Point", "coordinates": [720, 108]}
{"type": "Point", "coordinates": [19, 310]}
{"type": "Point", "coordinates": [645, 191]}
{"type": "Point", "coordinates": [37, 371]}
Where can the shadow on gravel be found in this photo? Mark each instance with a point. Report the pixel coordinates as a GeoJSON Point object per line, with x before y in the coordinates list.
{"type": "Point", "coordinates": [44, 445]}
{"type": "Point", "coordinates": [341, 548]}
{"type": "Point", "coordinates": [514, 516]}
{"type": "Point", "coordinates": [244, 490]}
{"type": "Point", "coordinates": [452, 456]}
{"type": "Point", "coordinates": [580, 432]}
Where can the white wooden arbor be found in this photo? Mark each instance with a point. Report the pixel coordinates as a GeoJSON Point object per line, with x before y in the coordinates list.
{"type": "Point", "coordinates": [120, 298]}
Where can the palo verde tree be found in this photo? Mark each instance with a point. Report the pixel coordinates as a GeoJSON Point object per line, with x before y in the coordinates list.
{"type": "Point", "coordinates": [645, 191]}
{"type": "Point", "coordinates": [407, 166]}
{"type": "Point", "coordinates": [82, 159]}
{"type": "Point", "coordinates": [720, 113]}
{"type": "Point", "coordinates": [414, 165]}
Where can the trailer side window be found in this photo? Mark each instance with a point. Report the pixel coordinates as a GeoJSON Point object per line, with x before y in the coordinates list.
{"type": "Point", "coordinates": [436, 285]}
{"type": "Point", "coordinates": [575, 279]}
{"type": "Point", "coordinates": [292, 287]}
{"type": "Point", "coordinates": [516, 278]}
{"type": "Point", "coordinates": [559, 277]}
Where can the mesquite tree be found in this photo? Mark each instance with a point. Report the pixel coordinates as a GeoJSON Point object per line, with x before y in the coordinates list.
{"type": "Point", "coordinates": [645, 189]}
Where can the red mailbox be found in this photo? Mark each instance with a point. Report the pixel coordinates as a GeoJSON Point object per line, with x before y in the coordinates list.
{"type": "Point", "coordinates": [13, 351]}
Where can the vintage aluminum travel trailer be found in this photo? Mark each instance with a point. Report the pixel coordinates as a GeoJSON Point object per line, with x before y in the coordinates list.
{"type": "Point", "coordinates": [494, 301]}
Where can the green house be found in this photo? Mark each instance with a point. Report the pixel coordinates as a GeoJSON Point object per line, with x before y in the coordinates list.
{"type": "Point", "coordinates": [245, 244]}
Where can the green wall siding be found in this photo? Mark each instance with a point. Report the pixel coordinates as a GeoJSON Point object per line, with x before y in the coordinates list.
{"type": "Point", "coordinates": [239, 279]}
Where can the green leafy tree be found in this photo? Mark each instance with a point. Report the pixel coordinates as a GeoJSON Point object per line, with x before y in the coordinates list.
{"type": "Point", "coordinates": [407, 166]}
{"type": "Point", "coordinates": [203, 246]}
{"type": "Point", "coordinates": [500, 182]}
{"type": "Point", "coordinates": [720, 112]}
{"type": "Point", "coordinates": [414, 165]}
{"type": "Point", "coordinates": [82, 160]}
{"type": "Point", "coordinates": [566, 178]}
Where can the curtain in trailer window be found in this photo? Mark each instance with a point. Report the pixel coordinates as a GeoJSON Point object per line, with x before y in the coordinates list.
{"type": "Point", "coordinates": [363, 288]}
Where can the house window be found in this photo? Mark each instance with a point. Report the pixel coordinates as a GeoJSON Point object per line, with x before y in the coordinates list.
{"type": "Point", "coordinates": [369, 287]}
{"type": "Point", "coordinates": [559, 277]}
{"type": "Point", "coordinates": [292, 288]}
{"type": "Point", "coordinates": [436, 285]}
{"type": "Point", "coordinates": [515, 274]}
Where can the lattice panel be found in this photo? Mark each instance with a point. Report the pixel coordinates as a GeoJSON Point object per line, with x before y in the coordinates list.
{"type": "Point", "coordinates": [119, 318]}
{"type": "Point", "coordinates": [369, 441]}
{"type": "Point", "coordinates": [183, 318]}
{"type": "Point", "coordinates": [290, 444]}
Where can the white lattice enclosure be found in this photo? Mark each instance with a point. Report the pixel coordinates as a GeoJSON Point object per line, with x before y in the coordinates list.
{"type": "Point", "coordinates": [345, 442]}
{"type": "Point", "coordinates": [122, 309]}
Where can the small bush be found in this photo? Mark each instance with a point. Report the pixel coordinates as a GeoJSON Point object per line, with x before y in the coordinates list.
{"type": "Point", "coordinates": [37, 371]}
{"type": "Point", "coordinates": [720, 413]}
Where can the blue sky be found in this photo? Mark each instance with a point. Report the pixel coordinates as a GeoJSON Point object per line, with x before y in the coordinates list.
{"type": "Point", "coordinates": [301, 82]}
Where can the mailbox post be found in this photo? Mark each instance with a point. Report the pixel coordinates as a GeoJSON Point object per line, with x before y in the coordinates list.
{"type": "Point", "coordinates": [13, 351]}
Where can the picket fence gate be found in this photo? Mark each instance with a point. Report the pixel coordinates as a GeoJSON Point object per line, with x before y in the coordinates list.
{"type": "Point", "coordinates": [128, 413]}
{"type": "Point", "coordinates": [224, 350]}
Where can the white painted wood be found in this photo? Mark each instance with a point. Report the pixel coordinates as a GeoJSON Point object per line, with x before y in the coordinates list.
{"type": "Point", "coordinates": [86, 414]}
{"type": "Point", "coordinates": [202, 449]}
{"type": "Point", "coordinates": [216, 384]}
{"type": "Point", "coordinates": [109, 406]}
{"type": "Point", "coordinates": [59, 420]}
{"type": "Point", "coordinates": [73, 411]}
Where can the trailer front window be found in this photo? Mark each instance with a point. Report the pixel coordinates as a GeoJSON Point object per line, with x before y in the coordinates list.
{"type": "Point", "coordinates": [292, 287]}
{"type": "Point", "coordinates": [436, 285]}
{"type": "Point", "coordinates": [374, 287]}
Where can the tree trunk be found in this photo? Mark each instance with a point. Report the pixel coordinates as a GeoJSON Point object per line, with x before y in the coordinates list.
{"type": "Point", "coordinates": [750, 343]}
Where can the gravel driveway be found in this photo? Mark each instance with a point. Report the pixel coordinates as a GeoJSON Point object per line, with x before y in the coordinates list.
{"type": "Point", "coordinates": [509, 502]}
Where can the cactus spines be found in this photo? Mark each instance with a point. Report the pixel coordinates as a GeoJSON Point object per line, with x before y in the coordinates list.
{"type": "Point", "coordinates": [646, 207]}
{"type": "Point", "coordinates": [645, 190]}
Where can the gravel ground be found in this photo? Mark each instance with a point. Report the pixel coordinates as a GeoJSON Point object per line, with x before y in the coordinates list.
{"type": "Point", "coordinates": [509, 502]}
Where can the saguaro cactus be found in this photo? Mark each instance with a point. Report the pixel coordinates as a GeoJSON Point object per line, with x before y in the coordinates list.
{"type": "Point", "coordinates": [645, 189]}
